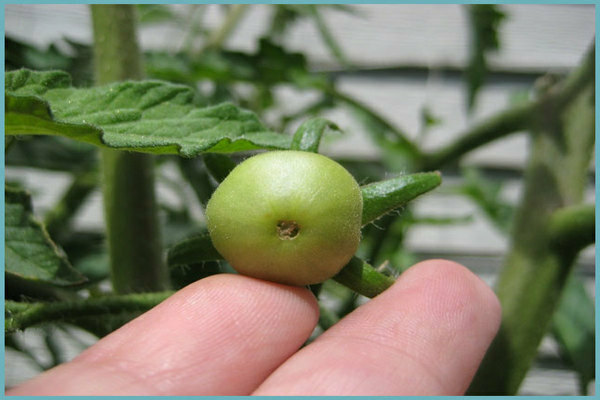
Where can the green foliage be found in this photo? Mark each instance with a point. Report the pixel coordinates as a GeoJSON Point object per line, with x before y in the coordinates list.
{"type": "Point", "coordinates": [55, 121]}
{"type": "Point", "coordinates": [573, 327]}
{"type": "Point", "coordinates": [75, 59]}
{"type": "Point", "coordinates": [149, 116]}
{"type": "Point", "coordinates": [30, 254]}
{"type": "Point", "coordinates": [485, 23]}
{"type": "Point", "coordinates": [379, 198]}
{"type": "Point", "coordinates": [309, 134]}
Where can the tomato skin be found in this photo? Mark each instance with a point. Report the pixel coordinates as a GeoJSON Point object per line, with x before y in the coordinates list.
{"type": "Point", "coordinates": [291, 217]}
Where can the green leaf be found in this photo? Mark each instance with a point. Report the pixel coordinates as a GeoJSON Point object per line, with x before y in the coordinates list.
{"type": "Point", "coordinates": [192, 250]}
{"type": "Point", "coordinates": [51, 153]}
{"type": "Point", "coordinates": [485, 22]}
{"type": "Point", "coordinates": [573, 327]}
{"type": "Point", "coordinates": [308, 136]}
{"type": "Point", "coordinates": [197, 176]}
{"type": "Point", "coordinates": [379, 198]}
{"type": "Point", "coordinates": [145, 116]}
{"type": "Point", "coordinates": [30, 254]}
{"type": "Point", "coordinates": [269, 65]}
{"type": "Point", "coordinates": [219, 165]}
{"type": "Point", "coordinates": [72, 57]}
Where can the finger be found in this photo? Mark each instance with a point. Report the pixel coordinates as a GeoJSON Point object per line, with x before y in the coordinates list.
{"type": "Point", "coordinates": [425, 335]}
{"type": "Point", "coordinates": [222, 335]}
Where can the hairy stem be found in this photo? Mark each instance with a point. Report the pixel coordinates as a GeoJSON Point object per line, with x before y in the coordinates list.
{"type": "Point", "coordinates": [129, 200]}
{"type": "Point", "coordinates": [20, 315]}
{"type": "Point", "coordinates": [536, 269]}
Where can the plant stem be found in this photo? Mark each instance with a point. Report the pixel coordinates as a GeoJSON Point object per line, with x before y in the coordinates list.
{"type": "Point", "coordinates": [327, 36]}
{"type": "Point", "coordinates": [327, 318]}
{"type": "Point", "coordinates": [58, 218]}
{"type": "Point", "coordinates": [573, 228]}
{"type": "Point", "coordinates": [498, 126]}
{"type": "Point", "coordinates": [129, 200]}
{"type": "Point", "coordinates": [399, 136]}
{"type": "Point", "coordinates": [512, 120]}
{"type": "Point", "coordinates": [359, 276]}
{"type": "Point", "coordinates": [535, 270]}
{"type": "Point", "coordinates": [218, 36]}
{"type": "Point", "coordinates": [23, 315]}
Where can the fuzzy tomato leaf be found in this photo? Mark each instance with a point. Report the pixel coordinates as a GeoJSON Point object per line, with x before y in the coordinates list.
{"type": "Point", "coordinates": [308, 135]}
{"type": "Point", "coordinates": [192, 250]}
{"type": "Point", "coordinates": [30, 254]}
{"type": "Point", "coordinates": [145, 116]}
{"type": "Point", "coordinates": [381, 197]}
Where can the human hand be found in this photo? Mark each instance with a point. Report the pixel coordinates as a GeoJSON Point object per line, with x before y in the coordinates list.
{"type": "Point", "coordinates": [234, 335]}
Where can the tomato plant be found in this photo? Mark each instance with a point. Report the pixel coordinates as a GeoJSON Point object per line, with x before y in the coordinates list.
{"type": "Point", "coordinates": [289, 215]}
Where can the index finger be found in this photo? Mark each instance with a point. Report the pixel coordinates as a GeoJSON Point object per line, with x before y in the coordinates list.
{"type": "Point", "coordinates": [221, 335]}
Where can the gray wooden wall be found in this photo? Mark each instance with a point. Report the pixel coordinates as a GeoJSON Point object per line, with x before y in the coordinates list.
{"type": "Point", "coordinates": [380, 41]}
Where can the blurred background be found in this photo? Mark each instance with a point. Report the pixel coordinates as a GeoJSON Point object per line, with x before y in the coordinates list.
{"type": "Point", "coordinates": [416, 65]}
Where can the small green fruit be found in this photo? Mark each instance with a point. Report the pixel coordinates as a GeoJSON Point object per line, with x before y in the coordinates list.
{"type": "Point", "coordinates": [291, 217]}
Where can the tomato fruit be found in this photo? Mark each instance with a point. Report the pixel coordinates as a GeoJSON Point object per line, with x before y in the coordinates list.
{"type": "Point", "coordinates": [291, 217]}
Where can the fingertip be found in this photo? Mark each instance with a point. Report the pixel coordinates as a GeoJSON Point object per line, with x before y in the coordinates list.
{"type": "Point", "coordinates": [449, 280]}
{"type": "Point", "coordinates": [221, 335]}
{"type": "Point", "coordinates": [425, 335]}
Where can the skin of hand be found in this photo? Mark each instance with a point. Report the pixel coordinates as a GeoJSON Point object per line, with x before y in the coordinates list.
{"type": "Point", "coordinates": [234, 335]}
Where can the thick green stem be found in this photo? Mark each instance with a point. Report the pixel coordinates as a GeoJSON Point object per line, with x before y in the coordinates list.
{"type": "Point", "coordinates": [129, 200]}
{"type": "Point", "coordinates": [500, 125]}
{"type": "Point", "coordinates": [573, 228]}
{"type": "Point", "coordinates": [536, 268]}
{"type": "Point", "coordinates": [20, 316]}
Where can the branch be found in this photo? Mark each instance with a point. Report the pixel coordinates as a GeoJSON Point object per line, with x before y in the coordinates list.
{"type": "Point", "coordinates": [573, 228]}
{"type": "Point", "coordinates": [21, 315]}
{"type": "Point", "coordinates": [220, 35]}
{"type": "Point", "coordinates": [514, 119]}
{"type": "Point", "coordinates": [535, 270]}
{"type": "Point", "coordinates": [400, 136]}
{"type": "Point", "coordinates": [130, 207]}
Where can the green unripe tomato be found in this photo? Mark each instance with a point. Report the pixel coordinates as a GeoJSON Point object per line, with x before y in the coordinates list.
{"type": "Point", "coordinates": [291, 217]}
